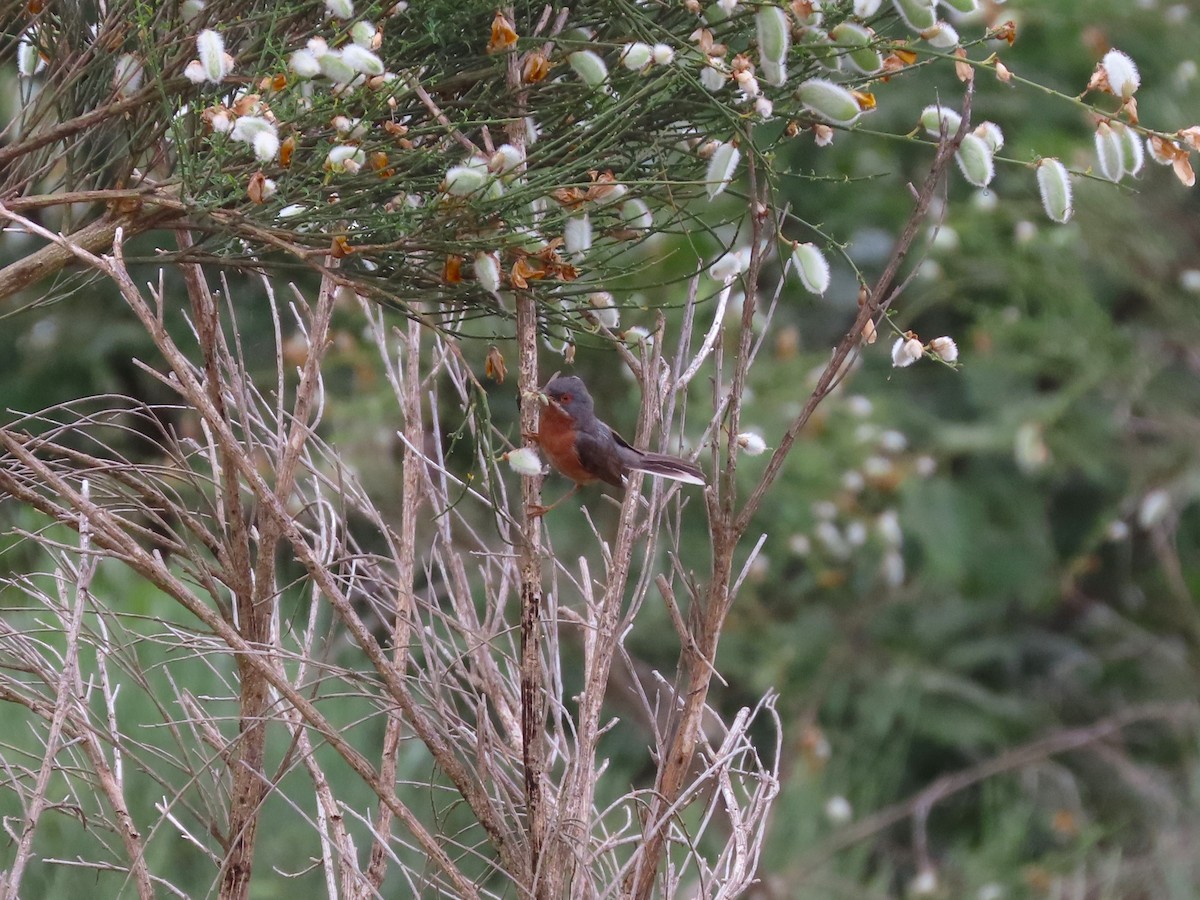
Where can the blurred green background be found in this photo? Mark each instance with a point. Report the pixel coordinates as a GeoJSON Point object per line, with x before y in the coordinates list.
{"type": "Point", "coordinates": [959, 561]}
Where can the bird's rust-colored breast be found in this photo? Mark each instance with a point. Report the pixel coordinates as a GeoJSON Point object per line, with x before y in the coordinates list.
{"type": "Point", "coordinates": [556, 436]}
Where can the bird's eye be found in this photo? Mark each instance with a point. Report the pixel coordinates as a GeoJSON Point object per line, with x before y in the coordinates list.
{"type": "Point", "coordinates": [564, 398]}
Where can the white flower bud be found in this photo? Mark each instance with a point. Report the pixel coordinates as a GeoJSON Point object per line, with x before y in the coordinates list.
{"type": "Point", "coordinates": [222, 122]}
{"type": "Point", "coordinates": [589, 67]}
{"type": "Point", "coordinates": [812, 267]}
{"type": "Point", "coordinates": [764, 108]}
{"type": "Point", "coordinates": [906, 351]}
{"type": "Point", "coordinates": [721, 168]}
{"type": "Point", "coordinates": [340, 9]}
{"type": "Point", "coordinates": [524, 461]}
{"type": "Point", "coordinates": [1123, 75]}
{"type": "Point", "coordinates": [291, 211]}
{"type": "Point", "coordinates": [751, 443]}
{"type": "Point", "coordinates": [210, 47]}
{"type": "Point", "coordinates": [945, 348]}
{"type": "Point", "coordinates": [636, 56]}
{"type": "Point", "coordinates": [1054, 185]}
{"type": "Point", "coordinates": [974, 159]}
{"type": "Point", "coordinates": [830, 101]}
{"type": "Point", "coordinates": [487, 271]}
{"type": "Point", "coordinates": [269, 188]}
{"type": "Point", "coordinates": [663, 54]}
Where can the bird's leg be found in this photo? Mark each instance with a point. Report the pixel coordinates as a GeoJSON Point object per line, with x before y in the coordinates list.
{"type": "Point", "coordinates": [536, 511]}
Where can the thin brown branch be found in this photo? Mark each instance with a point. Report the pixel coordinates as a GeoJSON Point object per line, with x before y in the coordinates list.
{"type": "Point", "coordinates": [879, 299]}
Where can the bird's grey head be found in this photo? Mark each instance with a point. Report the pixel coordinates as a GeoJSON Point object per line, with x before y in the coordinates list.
{"type": "Point", "coordinates": [570, 393]}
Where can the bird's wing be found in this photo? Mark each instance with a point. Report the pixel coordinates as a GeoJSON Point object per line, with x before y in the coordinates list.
{"type": "Point", "coordinates": [600, 453]}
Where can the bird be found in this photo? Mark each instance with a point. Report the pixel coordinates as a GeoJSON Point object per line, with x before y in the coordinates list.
{"type": "Point", "coordinates": [587, 450]}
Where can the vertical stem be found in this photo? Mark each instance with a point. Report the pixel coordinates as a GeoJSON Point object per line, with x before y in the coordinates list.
{"type": "Point", "coordinates": [405, 575]}
{"type": "Point", "coordinates": [529, 550]}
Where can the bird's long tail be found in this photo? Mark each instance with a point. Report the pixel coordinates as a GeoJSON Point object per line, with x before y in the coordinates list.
{"type": "Point", "coordinates": [667, 467]}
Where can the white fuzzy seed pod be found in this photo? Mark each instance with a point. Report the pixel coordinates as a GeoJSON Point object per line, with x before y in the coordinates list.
{"type": "Point", "coordinates": [933, 117]}
{"type": "Point", "coordinates": [1054, 185]}
{"type": "Point", "coordinates": [812, 267]}
{"type": "Point", "coordinates": [1133, 152]}
{"type": "Point", "coordinates": [636, 56]}
{"type": "Point", "coordinates": [991, 134]}
{"type": "Point", "coordinates": [505, 159]}
{"type": "Point", "coordinates": [1110, 154]}
{"type": "Point", "coordinates": [577, 235]}
{"type": "Point", "coordinates": [974, 159]}
{"type": "Point", "coordinates": [863, 56]}
{"type": "Point", "coordinates": [830, 101]}
{"type": "Point", "coordinates": [360, 59]}
{"type": "Point", "coordinates": [636, 215]}
{"type": "Point", "coordinates": [525, 462]}
{"type": "Point", "coordinates": [210, 47]}
{"type": "Point", "coordinates": [774, 33]}
{"type": "Point", "coordinates": [462, 181]}
{"type": "Point", "coordinates": [917, 14]}
{"type": "Point", "coordinates": [305, 63]}
{"type": "Point", "coordinates": [487, 271]}
{"type": "Point", "coordinates": [335, 68]}
{"type": "Point", "coordinates": [721, 168]}
{"type": "Point", "coordinates": [589, 67]}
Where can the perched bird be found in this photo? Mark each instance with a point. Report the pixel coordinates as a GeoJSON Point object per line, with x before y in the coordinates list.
{"type": "Point", "coordinates": [586, 450]}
